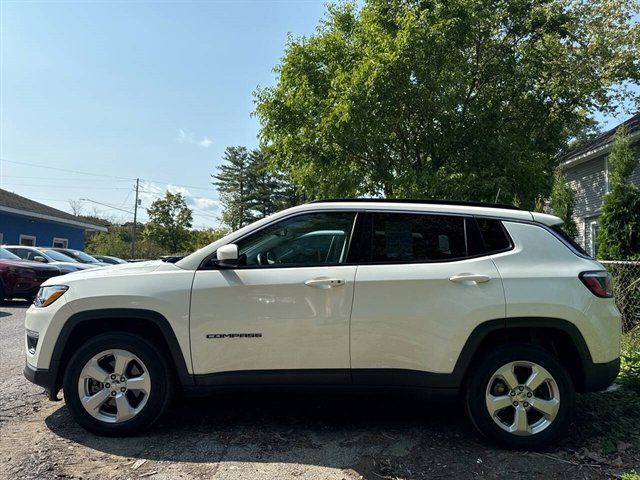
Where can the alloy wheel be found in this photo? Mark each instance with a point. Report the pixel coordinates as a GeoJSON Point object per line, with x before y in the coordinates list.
{"type": "Point", "coordinates": [522, 398]}
{"type": "Point", "coordinates": [114, 386]}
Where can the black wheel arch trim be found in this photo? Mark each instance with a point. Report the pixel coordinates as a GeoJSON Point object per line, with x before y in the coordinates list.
{"type": "Point", "coordinates": [55, 372]}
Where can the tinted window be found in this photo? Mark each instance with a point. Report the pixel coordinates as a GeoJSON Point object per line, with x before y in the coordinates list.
{"type": "Point", "coordinates": [494, 235]}
{"type": "Point", "coordinates": [567, 238]}
{"type": "Point", "coordinates": [314, 239]}
{"type": "Point", "coordinates": [7, 255]}
{"type": "Point", "coordinates": [399, 237]}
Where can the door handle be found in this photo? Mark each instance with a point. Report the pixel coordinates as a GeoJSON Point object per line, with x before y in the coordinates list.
{"type": "Point", "coordinates": [324, 282]}
{"type": "Point", "coordinates": [470, 277]}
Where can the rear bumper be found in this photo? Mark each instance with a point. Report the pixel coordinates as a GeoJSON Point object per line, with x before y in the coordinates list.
{"type": "Point", "coordinates": [598, 376]}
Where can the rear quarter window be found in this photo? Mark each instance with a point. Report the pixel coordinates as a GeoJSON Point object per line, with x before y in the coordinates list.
{"type": "Point", "coordinates": [494, 235]}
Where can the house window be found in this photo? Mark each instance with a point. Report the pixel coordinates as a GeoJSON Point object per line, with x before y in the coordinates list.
{"type": "Point", "coordinates": [594, 227]}
{"type": "Point", "coordinates": [1, 242]}
{"type": "Point", "coordinates": [27, 240]}
{"type": "Point", "coordinates": [60, 242]}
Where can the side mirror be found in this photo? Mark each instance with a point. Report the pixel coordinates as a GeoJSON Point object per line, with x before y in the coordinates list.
{"type": "Point", "coordinates": [40, 258]}
{"type": "Point", "coordinates": [227, 256]}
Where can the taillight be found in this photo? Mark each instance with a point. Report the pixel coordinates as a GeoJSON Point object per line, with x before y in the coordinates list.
{"type": "Point", "coordinates": [598, 282]}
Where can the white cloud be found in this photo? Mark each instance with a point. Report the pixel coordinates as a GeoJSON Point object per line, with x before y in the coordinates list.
{"type": "Point", "coordinates": [185, 136]}
{"type": "Point", "coordinates": [205, 209]}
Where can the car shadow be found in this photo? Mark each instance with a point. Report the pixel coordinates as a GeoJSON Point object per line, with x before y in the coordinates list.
{"type": "Point", "coordinates": [327, 428]}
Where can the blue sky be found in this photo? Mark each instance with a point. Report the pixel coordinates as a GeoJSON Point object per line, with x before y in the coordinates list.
{"type": "Point", "coordinates": [154, 90]}
{"type": "Point", "coordinates": [122, 90]}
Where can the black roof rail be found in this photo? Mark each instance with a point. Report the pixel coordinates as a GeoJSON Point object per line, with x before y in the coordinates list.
{"type": "Point", "coordinates": [417, 201]}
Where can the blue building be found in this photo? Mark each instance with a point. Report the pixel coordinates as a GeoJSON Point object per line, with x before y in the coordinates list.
{"type": "Point", "coordinates": [25, 222]}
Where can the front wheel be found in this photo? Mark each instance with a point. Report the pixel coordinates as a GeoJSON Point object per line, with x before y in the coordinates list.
{"type": "Point", "coordinates": [117, 384]}
{"type": "Point", "coordinates": [521, 397]}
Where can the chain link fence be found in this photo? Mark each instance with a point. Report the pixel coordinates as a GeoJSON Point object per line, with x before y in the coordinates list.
{"type": "Point", "coordinates": [626, 286]}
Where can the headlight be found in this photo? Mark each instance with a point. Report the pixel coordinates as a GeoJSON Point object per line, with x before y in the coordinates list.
{"type": "Point", "coordinates": [47, 295]}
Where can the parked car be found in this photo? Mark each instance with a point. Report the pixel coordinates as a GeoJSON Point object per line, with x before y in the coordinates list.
{"type": "Point", "coordinates": [22, 279]}
{"type": "Point", "coordinates": [490, 304]}
{"type": "Point", "coordinates": [80, 256]}
{"type": "Point", "coordinates": [47, 255]}
{"type": "Point", "coordinates": [109, 259]}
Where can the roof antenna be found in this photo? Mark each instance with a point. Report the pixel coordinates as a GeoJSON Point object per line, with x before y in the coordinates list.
{"type": "Point", "coordinates": [497, 195]}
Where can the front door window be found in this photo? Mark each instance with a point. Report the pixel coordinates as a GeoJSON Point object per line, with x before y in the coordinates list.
{"type": "Point", "coordinates": [313, 239]}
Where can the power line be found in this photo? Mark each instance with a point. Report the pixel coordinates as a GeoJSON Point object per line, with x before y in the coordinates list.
{"type": "Point", "coordinates": [101, 175]}
{"type": "Point", "coordinates": [106, 205]}
{"type": "Point", "coordinates": [62, 186]}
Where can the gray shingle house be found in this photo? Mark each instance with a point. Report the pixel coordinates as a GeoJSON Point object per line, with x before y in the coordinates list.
{"type": "Point", "coordinates": [586, 170]}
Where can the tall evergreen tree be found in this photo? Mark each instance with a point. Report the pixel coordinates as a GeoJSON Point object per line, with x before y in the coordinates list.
{"type": "Point", "coordinates": [619, 236]}
{"type": "Point", "coordinates": [562, 203]}
{"type": "Point", "coordinates": [266, 187]}
{"type": "Point", "coordinates": [234, 184]}
{"type": "Point", "coordinates": [250, 188]}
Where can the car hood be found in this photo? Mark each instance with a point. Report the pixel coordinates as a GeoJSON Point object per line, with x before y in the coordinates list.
{"type": "Point", "coordinates": [111, 271]}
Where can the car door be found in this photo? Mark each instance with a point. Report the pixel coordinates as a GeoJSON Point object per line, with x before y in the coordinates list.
{"type": "Point", "coordinates": [282, 315]}
{"type": "Point", "coordinates": [423, 288]}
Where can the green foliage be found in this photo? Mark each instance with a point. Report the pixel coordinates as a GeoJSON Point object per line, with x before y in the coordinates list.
{"type": "Point", "coordinates": [232, 182]}
{"type": "Point", "coordinates": [562, 203]}
{"type": "Point", "coordinates": [630, 356]}
{"type": "Point", "coordinates": [116, 241]}
{"type": "Point", "coordinates": [450, 99]}
{"type": "Point", "coordinates": [632, 475]}
{"type": "Point", "coordinates": [202, 238]}
{"type": "Point", "coordinates": [619, 234]}
{"type": "Point", "coordinates": [621, 159]}
{"type": "Point", "coordinates": [169, 223]}
{"type": "Point", "coordinates": [251, 188]}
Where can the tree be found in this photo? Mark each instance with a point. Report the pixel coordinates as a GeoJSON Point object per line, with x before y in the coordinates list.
{"type": "Point", "coordinates": [451, 99]}
{"type": "Point", "coordinates": [619, 233]}
{"type": "Point", "coordinates": [251, 188]}
{"type": "Point", "coordinates": [562, 203]}
{"type": "Point", "coordinates": [169, 223]}
{"type": "Point", "coordinates": [77, 207]}
{"type": "Point", "coordinates": [202, 238]}
{"type": "Point", "coordinates": [266, 186]}
{"type": "Point", "coordinates": [233, 184]}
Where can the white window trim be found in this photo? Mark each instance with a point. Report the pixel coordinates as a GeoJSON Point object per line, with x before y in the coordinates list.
{"type": "Point", "coordinates": [592, 244]}
{"type": "Point", "coordinates": [64, 241]}
{"type": "Point", "coordinates": [606, 175]}
{"type": "Point", "coordinates": [27, 237]}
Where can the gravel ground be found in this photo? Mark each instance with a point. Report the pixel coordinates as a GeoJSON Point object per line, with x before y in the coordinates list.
{"type": "Point", "coordinates": [291, 435]}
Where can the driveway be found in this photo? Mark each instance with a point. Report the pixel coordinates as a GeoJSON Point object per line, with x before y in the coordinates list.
{"type": "Point", "coordinates": [281, 434]}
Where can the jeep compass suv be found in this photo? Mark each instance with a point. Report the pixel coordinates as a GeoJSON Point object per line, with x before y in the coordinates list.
{"type": "Point", "coordinates": [487, 303]}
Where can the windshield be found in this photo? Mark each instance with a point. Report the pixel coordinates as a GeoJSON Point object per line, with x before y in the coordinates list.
{"type": "Point", "coordinates": [7, 255]}
{"type": "Point", "coordinates": [57, 256]}
{"type": "Point", "coordinates": [83, 257]}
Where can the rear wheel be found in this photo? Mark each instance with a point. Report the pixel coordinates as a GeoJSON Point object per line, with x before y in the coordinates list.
{"type": "Point", "coordinates": [117, 384]}
{"type": "Point", "coordinates": [521, 397]}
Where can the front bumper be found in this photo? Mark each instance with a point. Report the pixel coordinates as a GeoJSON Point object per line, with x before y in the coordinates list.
{"type": "Point", "coordinates": [44, 378]}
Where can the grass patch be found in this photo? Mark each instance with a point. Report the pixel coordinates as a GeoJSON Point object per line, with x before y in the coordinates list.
{"type": "Point", "coordinates": [630, 368]}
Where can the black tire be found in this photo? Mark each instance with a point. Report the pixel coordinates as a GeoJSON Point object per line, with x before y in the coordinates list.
{"type": "Point", "coordinates": [478, 383]}
{"type": "Point", "coordinates": [159, 370]}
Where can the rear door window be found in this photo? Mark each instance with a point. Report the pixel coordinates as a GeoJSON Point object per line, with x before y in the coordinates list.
{"type": "Point", "coordinates": [408, 237]}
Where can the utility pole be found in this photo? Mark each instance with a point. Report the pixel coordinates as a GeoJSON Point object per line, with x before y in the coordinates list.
{"type": "Point", "coordinates": [135, 222]}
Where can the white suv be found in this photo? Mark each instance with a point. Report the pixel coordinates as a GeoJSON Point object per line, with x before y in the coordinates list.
{"type": "Point", "coordinates": [490, 303]}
